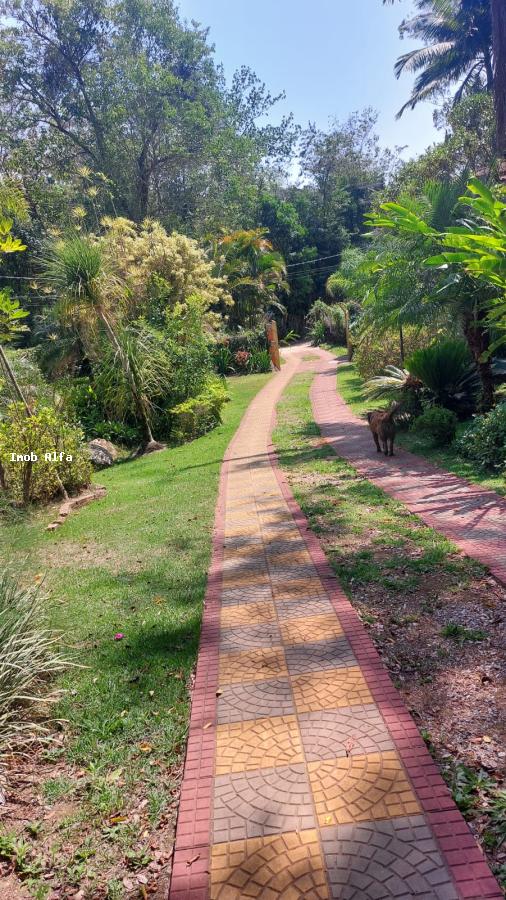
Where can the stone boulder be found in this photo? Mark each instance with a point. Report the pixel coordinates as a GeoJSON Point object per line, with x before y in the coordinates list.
{"type": "Point", "coordinates": [102, 453]}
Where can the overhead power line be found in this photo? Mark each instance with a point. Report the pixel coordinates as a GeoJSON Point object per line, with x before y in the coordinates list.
{"type": "Point", "coordinates": [310, 262]}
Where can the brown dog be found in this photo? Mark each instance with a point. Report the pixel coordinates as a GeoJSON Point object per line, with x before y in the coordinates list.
{"type": "Point", "coordinates": [381, 423]}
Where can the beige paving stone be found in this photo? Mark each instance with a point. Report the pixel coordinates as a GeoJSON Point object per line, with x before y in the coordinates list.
{"type": "Point", "coordinates": [253, 665]}
{"type": "Point", "coordinates": [248, 614]}
{"type": "Point", "coordinates": [361, 788]}
{"type": "Point", "coordinates": [289, 867]}
{"type": "Point", "coordinates": [310, 628]}
{"type": "Point", "coordinates": [257, 744]}
{"type": "Point", "coordinates": [330, 689]}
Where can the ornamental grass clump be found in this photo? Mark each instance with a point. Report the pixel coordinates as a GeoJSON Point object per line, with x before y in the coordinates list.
{"type": "Point", "coordinates": [29, 655]}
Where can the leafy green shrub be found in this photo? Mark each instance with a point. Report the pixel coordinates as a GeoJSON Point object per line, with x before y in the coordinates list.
{"type": "Point", "coordinates": [259, 362]}
{"type": "Point", "coordinates": [484, 441]}
{"type": "Point", "coordinates": [438, 424]}
{"type": "Point", "coordinates": [326, 323]}
{"type": "Point", "coordinates": [317, 334]}
{"type": "Point", "coordinates": [223, 360]}
{"type": "Point", "coordinates": [42, 433]}
{"type": "Point", "coordinates": [118, 433]}
{"type": "Point", "coordinates": [28, 655]}
{"type": "Point", "coordinates": [200, 414]}
{"type": "Point", "coordinates": [82, 404]}
{"type": "Point", "coordinates": [251, 340]}
{"type": "Point", "coordinates": [374, 352]}
{"type": "Point", "coordinates": [448, 371]}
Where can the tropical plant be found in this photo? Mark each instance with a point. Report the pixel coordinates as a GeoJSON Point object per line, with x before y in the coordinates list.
{"type": "Point", "coordinates": [28, 655]}
{"type": "Point", "coordinates": [376, 348]}
{"type": "Point", "coordinates": [255, 274]}
{"type": "Point", "coordinates": [457, 49]}
{"type": "Point", "coordinates": [448, 371]}
{"type": "Point", "coordinates": [475, 288]}
{"type": "Point", "coordinates": [444, 374]}
{"type": "Point", "coordinates": [484, 440]}
{"type": "Point", "coordinates": [327, 322]}
{"type": "Point", "coordinates": [260, 362]}
{"type": "Point", "coordinates": [77, 270]}
{"type": "Point", "coordinates": [348, 286]}
{"type": "Point", "coordinates": [437, 424]}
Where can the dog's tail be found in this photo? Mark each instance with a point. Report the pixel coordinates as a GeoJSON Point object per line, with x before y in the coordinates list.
{"type": "Point", "coordinates": [393, 410]}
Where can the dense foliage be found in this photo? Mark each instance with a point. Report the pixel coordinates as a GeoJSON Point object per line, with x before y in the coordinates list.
{"type": "Point", "coordinates": [484, 441]}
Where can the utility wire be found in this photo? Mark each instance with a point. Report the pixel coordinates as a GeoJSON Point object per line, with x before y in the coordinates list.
{"type": "Point", "coordinates": [309, 262]}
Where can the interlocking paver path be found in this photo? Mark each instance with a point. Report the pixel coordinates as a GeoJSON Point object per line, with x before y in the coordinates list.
{"type": "Point", "coordinates": [305, 776]}
{"type": "Point", "coordinates": [470, 515]}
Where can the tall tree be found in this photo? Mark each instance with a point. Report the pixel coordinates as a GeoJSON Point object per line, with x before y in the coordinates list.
{"type": "Point", "coordinates": [457, 49]}
{"type": "Point", "coordinates": [128, 90]}
{"type": "Point", "coordinates": [498, 8]}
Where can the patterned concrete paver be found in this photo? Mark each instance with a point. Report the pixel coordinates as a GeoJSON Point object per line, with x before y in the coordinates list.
{"type": "Point", "coordinates": [305, 776]}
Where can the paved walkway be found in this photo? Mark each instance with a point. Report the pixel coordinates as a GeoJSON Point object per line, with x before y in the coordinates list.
{"type": "Point", "coordinates": [471, 516]}
{"type": "Point", "coordinates": [305, 776]}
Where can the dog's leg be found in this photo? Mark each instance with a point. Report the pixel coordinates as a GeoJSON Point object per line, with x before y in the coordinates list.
{"type": "Point", "coordinates": [391, 446]}
{"type": "Point", "coordinates": [376, 441]}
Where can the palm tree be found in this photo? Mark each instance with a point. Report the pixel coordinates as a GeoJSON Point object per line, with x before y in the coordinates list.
{"type": "Point", "coordinates": [457, 48]}
{"type": "Point", "coordinates": [255, 273]}
{"type": "Point", "coordinates": [78, 272]}
{"type": "Point", "coordinates": [347, 286]}
{"type": "Point", "coordinates": [422, 224]}
{"type": "Point", "coordinates": [498, 9]}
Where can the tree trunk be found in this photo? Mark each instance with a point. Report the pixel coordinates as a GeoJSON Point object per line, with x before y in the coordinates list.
{"type": "Point", "coordinates": [478, 342]}
{"type": "Point", "coordinates": [349, 345]}
{"type": "Point", "coordinates": [498, 10]}
{"type": "Point", "coordinates": [13, 380]}
{"type": "Point", "coordinates": [139, 400]}
{"type": "Point", "coordinates": [401, 344]}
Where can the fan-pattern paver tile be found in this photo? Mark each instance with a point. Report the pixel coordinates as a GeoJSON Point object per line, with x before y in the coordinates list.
{"type": "Point", "coordinates": [263, 801]}
{"type": "Point", "coordinates": [252, 665]}
{"type": "Point", "coordinates": [330, 733]}
{"type": "Point", "coordinates": [234, 640]}
{"type": "Point", "coordinates": [382, 860]}
{"type": "Point", "coordinates": [361, 788]}
{"type": "Point", "coordinates": [311, 628]}
{"type": "Point", "coordinates": [249, 614]}
{"type": "Point", "coordinates": [289, 866]}
{"type": "Point", "coordinates": [317, 655]}
{"type": "Point", "coordinates": [305, 776]}
{"type": "Point", "coordinates": [255, 700]}
{"type": "Point", "coordinates": [303, 606]}
{"type": "Point", "coordinates": [330, 689]}
{"type": "Point", "coordinates": [257, 744]}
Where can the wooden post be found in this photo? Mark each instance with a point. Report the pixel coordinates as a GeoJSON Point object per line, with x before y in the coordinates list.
{"type": "Point", "coordinates": [271, 331]}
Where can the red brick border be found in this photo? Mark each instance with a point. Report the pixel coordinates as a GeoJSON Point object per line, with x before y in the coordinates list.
{"type": "Point", "coordinates": [190, 867]}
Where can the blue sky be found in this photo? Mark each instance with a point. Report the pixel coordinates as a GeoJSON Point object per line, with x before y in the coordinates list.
{"type": "Point", "coordinates": [330, 56]}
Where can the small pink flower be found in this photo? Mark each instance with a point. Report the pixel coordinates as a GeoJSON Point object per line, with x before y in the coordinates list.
{"type": "Point", "coordinates": [119, 636]}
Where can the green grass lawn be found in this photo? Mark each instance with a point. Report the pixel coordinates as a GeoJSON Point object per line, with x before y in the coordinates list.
{"type": "Point", "coordinates": [351, 387]}
{"type": "Point", "coordinates": [133, 563]}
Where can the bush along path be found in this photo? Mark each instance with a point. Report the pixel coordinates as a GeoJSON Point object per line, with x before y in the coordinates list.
{"type": "Point", "coordinates": [305, 775]}
{"type": "Point", "coordinates": [471, 516]}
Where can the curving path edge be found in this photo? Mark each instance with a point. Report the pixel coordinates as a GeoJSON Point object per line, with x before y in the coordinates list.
{"type": "Point", "coordinates": [473, 517]}
{"type": "Point", "coordinates": [305, 775]}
